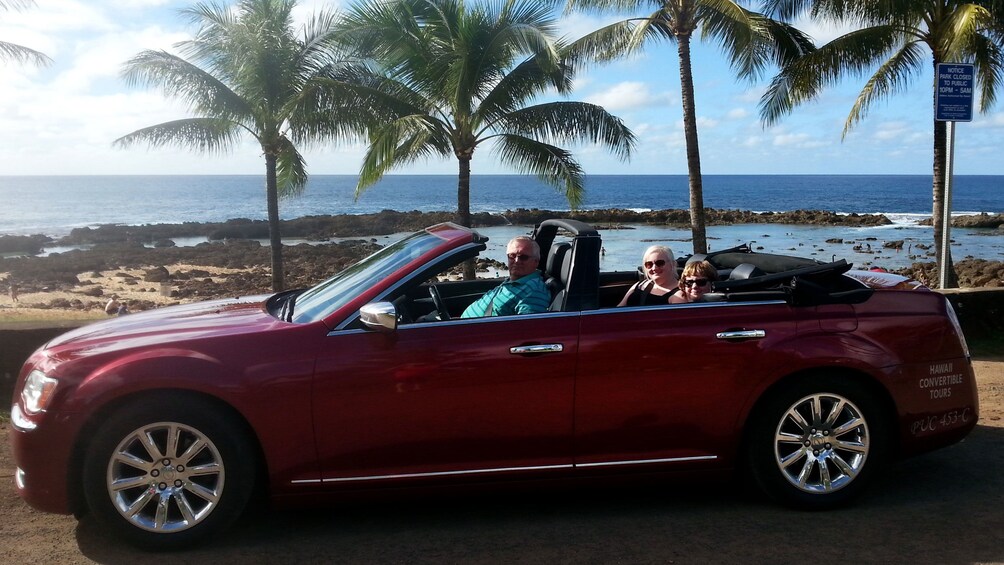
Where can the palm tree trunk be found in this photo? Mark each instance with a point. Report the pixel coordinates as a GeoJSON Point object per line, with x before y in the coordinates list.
{"type": "Point", "coordinates": [464, 207]}
{"type": "Point", "coordinates": [275, 241]}
{"type": "Point", "coordinates": [938, 211]}
{"type": "Point", "coordinates": [697, 222]}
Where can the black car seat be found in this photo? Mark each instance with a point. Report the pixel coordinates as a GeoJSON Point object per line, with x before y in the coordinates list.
{"type": "Point", "coordinates": [552, 267]}
{"type": "Point", "coordinates": [563, 264]}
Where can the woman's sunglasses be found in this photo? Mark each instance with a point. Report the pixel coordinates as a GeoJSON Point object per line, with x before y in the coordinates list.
{"type": "Point", "coordinates": [660, 263]}
{"type": "Point", "coordinates": [695, 282]}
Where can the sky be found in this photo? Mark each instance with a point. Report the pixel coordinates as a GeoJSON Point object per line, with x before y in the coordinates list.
{"type": "Point", "coordinates": [62, 119]}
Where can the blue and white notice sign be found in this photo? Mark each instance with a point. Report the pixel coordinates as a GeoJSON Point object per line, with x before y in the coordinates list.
{"type": "Point", "coordinates": [953, 96]}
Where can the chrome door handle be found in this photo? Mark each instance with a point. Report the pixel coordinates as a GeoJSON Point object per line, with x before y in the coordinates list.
{"type": "Point", "coordinates": [544, 348]}
{"type": "Point", "coordinates": [742, 334]}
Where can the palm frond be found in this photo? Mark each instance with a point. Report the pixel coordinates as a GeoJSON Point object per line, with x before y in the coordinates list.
{"type": "Point", "coordinates": [522, 84]}
{"type": "Point", "coordinates": [291, 170]}
{"type": "Point", "coordinates": [989, 67]}
{"type": "Point", "coordinates": [891, 77]}
{"type": "Point", "coordinates": [21, 54]}
{"type": "Point", "coordinates": [600, 6]}
{"type": "Point", "coordinates": [210, 135]}
{"type": "Point", "coordinates": [401, 142]}
{"type": "Point", "coordinates": [179, 78]}
{"type": "Point", "coordinates": [801, 80]}
{"type": "Point", "coordinates": [604, 44]}
{"type": "Point", "coordinates": [551, 164]}
{"type": "Point", "coordinates": [742, 34]}
{"type": "Point", "coordinates": [571, 122]}
{"type": "Point", "coordinates": [15, 4]}
{"type": "Point", "coordinates": [789, 43]}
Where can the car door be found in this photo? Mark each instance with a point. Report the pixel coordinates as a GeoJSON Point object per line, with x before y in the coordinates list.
{"type": "Point", "coordinates": [663, 384]}
{"type": "Point", "coordinates": [480, 396]}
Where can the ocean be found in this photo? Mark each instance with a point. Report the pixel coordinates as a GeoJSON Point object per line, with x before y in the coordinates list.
{"type": "Point", "coordinates": [54, 205]}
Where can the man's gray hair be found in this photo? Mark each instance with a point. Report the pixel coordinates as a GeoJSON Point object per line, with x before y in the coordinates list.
{"type": "Point", "coordinates": [533, 244]}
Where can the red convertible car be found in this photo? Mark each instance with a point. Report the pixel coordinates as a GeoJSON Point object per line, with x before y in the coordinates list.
{"type": "Point", "coordinates": [805, 376]}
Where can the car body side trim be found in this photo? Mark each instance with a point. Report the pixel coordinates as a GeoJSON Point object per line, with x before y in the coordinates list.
{"type": "Point", "coordinates": [502, 470]}
{"type": "Point", "coordinates": [648, 461]}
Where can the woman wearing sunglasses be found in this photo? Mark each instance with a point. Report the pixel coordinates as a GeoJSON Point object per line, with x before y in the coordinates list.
{"type": "Point", "coordinates": [695, 281]}
{"type": "Point", "coordinates": [660, 279]}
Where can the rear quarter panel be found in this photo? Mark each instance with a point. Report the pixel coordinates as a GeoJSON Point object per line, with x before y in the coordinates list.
{"type": "Point", "coordinates": [904, 341]}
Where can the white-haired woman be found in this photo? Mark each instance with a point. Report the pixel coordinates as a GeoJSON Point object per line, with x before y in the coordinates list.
{"type": "Point", "coordinates": [660, 279]}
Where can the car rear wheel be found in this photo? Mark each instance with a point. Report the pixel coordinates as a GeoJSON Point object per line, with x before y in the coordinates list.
{"type": "Point", "coordinates": [817, 443]}
{"type": "Point", "coordinates": [164, 473]}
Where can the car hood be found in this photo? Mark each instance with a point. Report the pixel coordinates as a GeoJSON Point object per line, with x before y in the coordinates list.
{"type": "Point", "coordinates": [200, 320]}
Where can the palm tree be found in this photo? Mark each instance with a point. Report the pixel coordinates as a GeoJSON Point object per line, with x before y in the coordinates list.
{"type": "Point", "coordinates": [250, 72]}
{"type": "Point", "coordinates": [750, 41]}
{"type": "Point", "coordinates": [453, 76]}
{"type": "Point", "coordinates": [893, 38]}
{"type": "Point", "coordinates": [19, 53]}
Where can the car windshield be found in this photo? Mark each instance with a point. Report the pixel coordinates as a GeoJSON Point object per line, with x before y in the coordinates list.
{"type": "Point", "coordinates": [337, 291]}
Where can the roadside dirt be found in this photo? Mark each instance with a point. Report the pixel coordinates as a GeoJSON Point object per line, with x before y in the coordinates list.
{"type": "Point", "coordinates": [946, 507]}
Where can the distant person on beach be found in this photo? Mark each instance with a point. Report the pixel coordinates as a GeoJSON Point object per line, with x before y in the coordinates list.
{"type": "Point", "coordinates": [523, 293]}
{"type": "Point", "coordinates": [695, 281]}
{"type": "Point", "coordinates": [660, 279]}
{"type": "Point", "coordinates": [13, 292]}
{"type": "Point", "coordinates": [114, 307]}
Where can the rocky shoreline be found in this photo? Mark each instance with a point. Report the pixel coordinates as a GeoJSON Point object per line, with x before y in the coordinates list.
{"type": "Point", "coordinates": [320, 228]}
{"type": "Point", "coordinates": [233, 262]}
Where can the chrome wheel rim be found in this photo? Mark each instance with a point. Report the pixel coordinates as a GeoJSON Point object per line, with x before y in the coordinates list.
{"type": "Point", "coordinates": [821, 443]}
{"type": "Point", "coordinates": [165, 477]}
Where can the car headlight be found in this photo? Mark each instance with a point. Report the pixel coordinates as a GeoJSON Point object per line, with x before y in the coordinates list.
{"type": "Point", "coordinates": [37, 392]}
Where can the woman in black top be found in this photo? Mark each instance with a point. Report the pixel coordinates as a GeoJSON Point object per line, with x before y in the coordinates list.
{"type": "Point", "coordinates": [660, 279]}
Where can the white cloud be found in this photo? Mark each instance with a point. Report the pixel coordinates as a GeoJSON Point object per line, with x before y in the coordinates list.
{"type": "Point", "coordinates": [705, 123]}
{"type": "Point", "coordinates": [988, 121]}
{"type": "Point", "coordinates": [737, 113]}
{"type": "Point", "coordinates": [821, 32]}
{"type": "Point", "coordinates": [629, 95]}
{"type": "Point", "coordinates": [577, 24]}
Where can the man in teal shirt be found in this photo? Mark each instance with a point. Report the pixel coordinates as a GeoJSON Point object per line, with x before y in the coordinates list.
{"type": "Point", "coordinates": [523, 293]}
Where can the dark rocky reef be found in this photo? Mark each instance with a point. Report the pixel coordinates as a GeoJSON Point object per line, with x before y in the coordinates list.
{"type": "Point", "coordinates": [305, 265]}
{"type": "Point", "coordinates": [984, 220]}
{"type": "Point", "coordinates": [321, 228]}
{"type": "Point", "coordinates": [29, 244]}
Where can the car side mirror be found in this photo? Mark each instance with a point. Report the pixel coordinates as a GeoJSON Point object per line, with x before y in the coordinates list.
{"type": "Point", "coordinates": [379, 316]}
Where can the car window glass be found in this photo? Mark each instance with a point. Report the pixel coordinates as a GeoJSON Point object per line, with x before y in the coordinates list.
{"type": "Point", "coordinates": [333, 293]}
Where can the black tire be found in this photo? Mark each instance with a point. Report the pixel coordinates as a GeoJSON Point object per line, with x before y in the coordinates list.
{"type": "Point", "coordinates": [817, 458]}
{"type": "Point", "coordinates": [167, 498]}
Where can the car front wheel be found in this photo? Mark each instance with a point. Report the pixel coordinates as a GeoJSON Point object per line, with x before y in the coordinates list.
{"type": "Point", "coordinates": [164, 473]}
{"type": "Point", "coordinates": [816, 444]}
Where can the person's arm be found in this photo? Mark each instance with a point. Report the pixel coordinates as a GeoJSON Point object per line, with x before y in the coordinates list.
{"type": "Point", "coordinates": [627, 295]}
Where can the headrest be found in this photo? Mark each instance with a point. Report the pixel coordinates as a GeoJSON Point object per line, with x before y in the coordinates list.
{"type": "Point", "coordinates": [556, 257]}
{"type": "Point", "coordinates": [745, 271]}
{"type": "Point", "coordinates": [566, 266]}
{"type": "Point", "coordinates": [697, 258]}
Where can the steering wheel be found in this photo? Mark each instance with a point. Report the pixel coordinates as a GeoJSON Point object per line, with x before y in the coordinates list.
{"type": "Point", "coordinates": [444, 314]}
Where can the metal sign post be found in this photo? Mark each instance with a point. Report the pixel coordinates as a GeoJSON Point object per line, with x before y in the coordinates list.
{"type": "Point", "coordinates": [953, 102]}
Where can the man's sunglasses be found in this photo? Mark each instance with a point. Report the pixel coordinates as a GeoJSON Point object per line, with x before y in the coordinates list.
{"type": "Point", "coordinates": [660, 263]}
{"type": "Point", "coordinates": [518, 257]}
{"type": "Point", "coordinates": [695, 282]}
